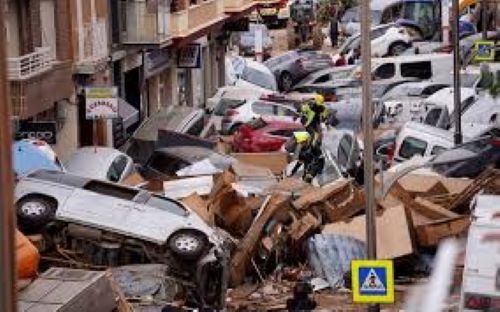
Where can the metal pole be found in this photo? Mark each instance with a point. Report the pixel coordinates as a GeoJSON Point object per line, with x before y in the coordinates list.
{"type": "Point", "coordinates": [7, 221]}
{"type": "Point", "coordinates": [368, 134]}
{"type": "Point", "coordinates": [484, 16]}
{"type": "Point", "coordinates": [456, 74]}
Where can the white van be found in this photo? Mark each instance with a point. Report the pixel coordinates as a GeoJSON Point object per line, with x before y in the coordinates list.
{"type": "Point", "coordinates": [422, 67]}
{"type": "Point", "coordinates": [418, 139]}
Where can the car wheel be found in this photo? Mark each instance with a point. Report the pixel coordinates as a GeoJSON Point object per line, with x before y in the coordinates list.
{"type": "Point", "coordinates": [286, 82]}
{"type": "Point", "coordinates": [397, 48]}
{"type": "Point", "coordinates": [34, 213]}
{"type": "Point", "coordinates": [188, 244]}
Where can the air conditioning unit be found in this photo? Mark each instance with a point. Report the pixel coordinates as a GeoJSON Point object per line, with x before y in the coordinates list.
{"type": "Point", "coordinates": [68, 290]}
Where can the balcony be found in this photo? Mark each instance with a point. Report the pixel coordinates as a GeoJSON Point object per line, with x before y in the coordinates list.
{"type": "Point", "coordinates": [30, 65]}
{"type": "Point", "coordinates": [238, 6]}
{"type": "Point", "coordinates": [145, 25]}
{"type": "Point", "coordinates": [38, 93]}
{"type": "Point", "coordinates": [197, 17]}
{"type": "Point", "coordinates": [92, 48]}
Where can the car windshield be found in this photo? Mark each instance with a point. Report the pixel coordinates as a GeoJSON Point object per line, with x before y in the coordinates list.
{"type": "Point", "coordinates": [226, 104]}
{"type": "Point", "coordinates": [259, 78]}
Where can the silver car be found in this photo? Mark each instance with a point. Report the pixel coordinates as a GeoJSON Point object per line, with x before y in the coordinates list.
{"type": "Point", "coordinates": [107, 224]}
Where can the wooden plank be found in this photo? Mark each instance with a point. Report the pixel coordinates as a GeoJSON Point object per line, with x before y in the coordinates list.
{"type": "Point", "coordinates": [303, 227]}
{"type": "Point", "coordinates": [351, 206]}
{"type": "Point", "coordinates": [430, 234]}
{"type": "Point", "coordinates": [246, 248]}
{"type": "Point", "coordinates": [200, 206]}
{"type": "Point", "coordinates": [276, 161]}
{"type": "Point", "coordinates": [431, 210]}
{"type": "Point", "coordinates": [394, 232]}
{"type": "Point", "coordinates": [319, 195]}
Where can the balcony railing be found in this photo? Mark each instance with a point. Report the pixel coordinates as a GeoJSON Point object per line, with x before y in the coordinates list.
{"type": "Point", "coordinates": [144, 24]}
{"type": "Point", "coordinates": [29, 65]}
{"type": "Point", "coordinates": [196, 16]}
{"type": "Point", "coordinates": [95, 43]}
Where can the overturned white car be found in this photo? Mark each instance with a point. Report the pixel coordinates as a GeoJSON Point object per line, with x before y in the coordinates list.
{"type": "Point", "coordinates": [107, 224]}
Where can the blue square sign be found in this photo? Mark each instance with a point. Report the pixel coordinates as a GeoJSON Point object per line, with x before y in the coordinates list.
{"type": "Point", "coordinates": [374, 281]}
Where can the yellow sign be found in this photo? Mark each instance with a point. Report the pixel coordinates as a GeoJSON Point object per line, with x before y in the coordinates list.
{"type": "Point", "coordinates": [484, 51]}
{"type": "Point", "coordinates": [372, 281]}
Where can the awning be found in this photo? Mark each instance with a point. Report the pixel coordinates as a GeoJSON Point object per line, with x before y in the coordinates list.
{"type": "Point", "coordinates": [128, 113]}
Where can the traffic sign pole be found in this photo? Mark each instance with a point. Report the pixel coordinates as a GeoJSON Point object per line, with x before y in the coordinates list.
{"type": "Point", "coordinates": [368, 134]}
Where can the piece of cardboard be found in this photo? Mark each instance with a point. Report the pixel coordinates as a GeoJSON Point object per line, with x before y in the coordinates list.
{"type": "Point", "coordinates": [133, 179]}
{"type": "Point", "coordinates": [431, 210]}
{"type": "Point", "coordinates": [394, 232]}
{"type": "Point", "coordinates": [303, 227]}
{"type": "Point", "coordinates": [431, 233]}
{"type": "Point", "coordinates": [422, 185]}
{"type": "Point", "coordinates": [275, 161]}
{"type": "Point", "coordinates": [319, 195]}
{"type": "Point", "coordinates": [200, 206]}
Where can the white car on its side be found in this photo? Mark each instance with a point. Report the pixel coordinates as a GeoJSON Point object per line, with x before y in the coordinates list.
{"type": "Point", "coordinates": [101, 163]}
{"type": "Point", "coordinates": [245, 73]}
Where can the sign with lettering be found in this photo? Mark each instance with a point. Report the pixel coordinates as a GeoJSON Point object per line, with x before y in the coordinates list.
{"type": "Point", "coordinates": [39, 130]}
{"type": "Point", "coordinates": [189, 56]}
{"type": "Point", "coordinates": [101, 103]}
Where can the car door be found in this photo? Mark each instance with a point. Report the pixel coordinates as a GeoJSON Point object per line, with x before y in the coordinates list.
{"type": "Point", "coordinates": [100, 204]}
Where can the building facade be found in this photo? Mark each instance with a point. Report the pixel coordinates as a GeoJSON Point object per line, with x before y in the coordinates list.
{"type": "Point", "coordinates": [157, 53]}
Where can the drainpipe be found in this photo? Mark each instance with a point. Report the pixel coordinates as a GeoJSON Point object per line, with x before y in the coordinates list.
{"type": "Point", "coordinates": [7, 221]}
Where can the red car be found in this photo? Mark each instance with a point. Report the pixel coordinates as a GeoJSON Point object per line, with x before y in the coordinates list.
{"type": "Point", "coordinates": [263, 135]}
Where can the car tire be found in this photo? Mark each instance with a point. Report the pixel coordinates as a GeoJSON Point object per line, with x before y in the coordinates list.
{"type": "Point", "coordinates": [187, 244]}
{"type": "Point", "coordinates": [397, 48]}
{"type": "Point", "coordinates": [34, 213]}
{"type": "Point", "coordinates": [286, 82]}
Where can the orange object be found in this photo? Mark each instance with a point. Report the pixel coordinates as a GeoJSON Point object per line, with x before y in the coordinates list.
{"type": "Point", "coordinates": [27, 257]}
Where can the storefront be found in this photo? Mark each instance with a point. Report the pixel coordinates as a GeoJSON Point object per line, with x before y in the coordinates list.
{"type": "Point", "coordinates": [156, 70]}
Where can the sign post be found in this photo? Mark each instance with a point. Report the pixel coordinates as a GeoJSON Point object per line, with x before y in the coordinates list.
{"type": "Point", "coordinates": [372, 281]}
{"type": "Point", "coordinates": [100, 103]}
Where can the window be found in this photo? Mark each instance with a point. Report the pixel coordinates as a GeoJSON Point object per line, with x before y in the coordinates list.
{"type": "Point", "coordinates": [225, 104]}
{"type": "Point", "coordinates": [468, 103]}
{"type": "Point", "coordinates": [285, 132]}
{"type": "Point", "coordinates": [436, 150]}
{"type": "Point", "coordinates": [385, 71]}
{"type": "Point", "coordinates": [433, 116]}
{"type": "Point", "coordinates": [166, 204]}
{"type": "Point", "coordinates": [344, 150]}
{"type": "Point", "coordinates": [116, 169]}
{"type": "Point", "coordinates": [263, 108]}
{"type": "Point", "coordinates": [108, 189]}
{"type": "Point", "coordinates": [411, 147]}
{"type": "Point", "coordinates": [166, 164]}
{"type": "Point", "coordinates": [284, 111]}
{"type": "Point", "coordinates": [321, 79]}
{"type": "Point", "coordinates": [421, 70]}
{"type": "Point", "coordinates": [432, 89]}
{"type": "Point", "coordinates": [259, 78]}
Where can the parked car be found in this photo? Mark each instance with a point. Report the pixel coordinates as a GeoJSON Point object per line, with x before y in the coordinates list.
{"type": "Point", "coordinates": [435, 66]}
{"type": "Point", "coordinates": [165, 162]}
{"type": "Point", "coordinates": [403, 102]}
{"type": "Point", "coordinates": [437, 110]}
{"type": "Point", "coordinates": [332, 75]}
{"type": "Point", "coordinates": [272, 14]}
{"type": "Point", "coordinates": [264, 135]}
{"type": "Point", "coordinates": [121, 225]}
{"type": "Point", "coordinates": [102, 163]}
{"type": "Point", "coordinates": [29, 155]}
{"type": "Point", "coordinates": [249, 74]}
{"type": "Point", "coordinates": [246, 111]}
{"type": "Point", "coordinates": [348, 113]}
{"type": "Point", "coordinates": [246, 40]}
{"type": "Point", "coordinates": [290, 67]}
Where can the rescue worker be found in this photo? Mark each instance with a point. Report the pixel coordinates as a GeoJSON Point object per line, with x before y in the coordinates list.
{"type": "Point", "coordinates": [308, 148]}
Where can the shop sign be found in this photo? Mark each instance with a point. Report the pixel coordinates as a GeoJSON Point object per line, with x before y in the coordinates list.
{"type": "Point", "coordinates": [189, 56]}
{"type": "Point", "coordinates": [101, 103]}
{"type": "Point", "coordinates": [155, 61]}
{"type": "Point", "coordinates": [39, 130]}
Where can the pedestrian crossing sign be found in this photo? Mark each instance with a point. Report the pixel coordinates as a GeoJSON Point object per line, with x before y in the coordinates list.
{"type": "Point", "coordinates": [372, 281]}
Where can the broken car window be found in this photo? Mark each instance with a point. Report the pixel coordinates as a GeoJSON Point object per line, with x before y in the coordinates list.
{"type": "Point", "coordinates": [411, 147]}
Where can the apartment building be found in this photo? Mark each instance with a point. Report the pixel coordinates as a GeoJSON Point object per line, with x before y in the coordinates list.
{"type": "Point", "coordinates": [40, 68]}
{"type": "Point", "coordinates": [158, 53]}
